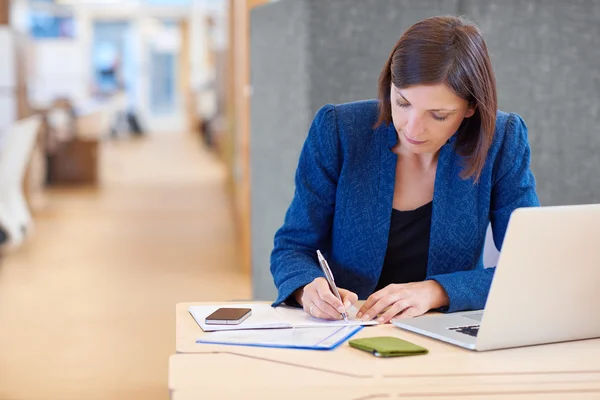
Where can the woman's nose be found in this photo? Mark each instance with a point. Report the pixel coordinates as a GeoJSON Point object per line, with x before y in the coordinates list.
{"type": "Point", "coordinates": [414, 127]}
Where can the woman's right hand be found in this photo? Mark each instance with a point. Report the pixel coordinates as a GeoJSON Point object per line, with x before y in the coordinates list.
{"type": "Point", "coordinates": [318, 301]}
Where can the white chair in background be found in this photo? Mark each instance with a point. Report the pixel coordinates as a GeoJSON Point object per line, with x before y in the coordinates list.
{"type": "Point", "coordinates": [15, 218]}
{"type": "Point", "coordinates": [59, 121]}
{"type": "Point", "coordinates": [120, 107]}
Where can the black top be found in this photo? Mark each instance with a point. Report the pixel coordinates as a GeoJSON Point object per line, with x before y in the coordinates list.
{"type": "Point", "coordinates": [408, 247]}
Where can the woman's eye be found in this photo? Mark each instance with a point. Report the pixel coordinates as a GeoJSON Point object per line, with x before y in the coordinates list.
{"type": "Point", "coordinates": [438, 118]}
{"type": "Point", "coordinates": [403, 105]}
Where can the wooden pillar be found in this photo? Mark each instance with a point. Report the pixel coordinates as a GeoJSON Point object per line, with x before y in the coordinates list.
{"type": "Point", "coordinates": [185, 88]}
{"type": "Point", "coordinates": [239, 117]}
{"type": "Point", "coordinates": [4, 12]}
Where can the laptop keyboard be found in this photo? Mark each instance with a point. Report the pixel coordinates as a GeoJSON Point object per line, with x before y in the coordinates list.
{"type": "Point", "coordinates": [470, 330]}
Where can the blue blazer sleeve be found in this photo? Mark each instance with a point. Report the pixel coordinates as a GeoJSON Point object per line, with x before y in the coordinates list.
{"type": "Point", "coordinates": [309, 218]}
{"type": "Point", "coordinates": [513, 187]}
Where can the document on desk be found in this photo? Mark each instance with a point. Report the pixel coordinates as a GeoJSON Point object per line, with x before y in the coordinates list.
{"type": "Point", "coordinates": [266, 317]}
{"type": "Point", "coordinates": [296, 338]}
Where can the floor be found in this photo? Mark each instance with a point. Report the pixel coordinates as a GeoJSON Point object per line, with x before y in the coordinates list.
{"type": "Point", "coordinates": [87, 304]}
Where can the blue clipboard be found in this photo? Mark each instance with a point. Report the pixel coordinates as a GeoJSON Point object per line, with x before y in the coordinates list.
{"type": "Point", "coordinates": [286, 338]}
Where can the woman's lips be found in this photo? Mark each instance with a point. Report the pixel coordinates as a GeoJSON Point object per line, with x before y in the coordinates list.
{"type": "Point", "coordinates": [412, 141]}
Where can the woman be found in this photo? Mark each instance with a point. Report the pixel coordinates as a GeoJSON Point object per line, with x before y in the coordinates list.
{"type": "Point", "coordinates": [398, 193]}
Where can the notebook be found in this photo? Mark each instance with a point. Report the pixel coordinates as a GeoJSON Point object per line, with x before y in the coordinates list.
{"type": "Point", "coordinates": [266, 317]}
{"type": "Point", "coordinates": [327, 338]}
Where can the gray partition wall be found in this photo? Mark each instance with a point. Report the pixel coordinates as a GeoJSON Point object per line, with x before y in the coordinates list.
{"type": "Point", "coordinates": [306, 53]}
{"type": "Point", "coordinates": [546, 55]}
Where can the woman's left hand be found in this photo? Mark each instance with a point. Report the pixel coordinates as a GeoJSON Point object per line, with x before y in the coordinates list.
{"type": "Point", "coordinates": [405, 300]}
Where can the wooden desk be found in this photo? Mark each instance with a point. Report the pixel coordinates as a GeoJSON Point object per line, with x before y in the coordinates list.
{"type": "Point", "coordinates": [371, 394]}
{"type": "Point", "coordinates": [565, 368]}
{"type": "Point", "coordinates": [231, 376]}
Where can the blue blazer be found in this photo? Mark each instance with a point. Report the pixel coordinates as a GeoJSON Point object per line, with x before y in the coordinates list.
{"type": "Point", "coordinates": [343, 203]}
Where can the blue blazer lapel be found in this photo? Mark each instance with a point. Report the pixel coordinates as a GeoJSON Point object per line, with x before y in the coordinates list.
{"type": "Point", "coordinates": [455, 225]}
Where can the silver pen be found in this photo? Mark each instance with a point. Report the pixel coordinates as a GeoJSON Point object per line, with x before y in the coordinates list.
{"type": "Point", "coordinates": [331, 281]}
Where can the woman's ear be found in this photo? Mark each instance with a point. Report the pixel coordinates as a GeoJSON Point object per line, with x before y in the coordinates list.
{"type": "Point", "coordinates": [470, 110]}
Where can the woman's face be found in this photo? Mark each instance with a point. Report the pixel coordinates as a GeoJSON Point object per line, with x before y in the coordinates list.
{"type": "Point", "coordinates": [426, 116]}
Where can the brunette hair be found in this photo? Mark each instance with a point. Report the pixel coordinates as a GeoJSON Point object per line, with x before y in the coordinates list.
{"type": "Point", "coordinates": [448, 50]}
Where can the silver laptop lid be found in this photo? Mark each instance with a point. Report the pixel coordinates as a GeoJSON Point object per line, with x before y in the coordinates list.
{"type": "Point", "coordinates": [545, 287]}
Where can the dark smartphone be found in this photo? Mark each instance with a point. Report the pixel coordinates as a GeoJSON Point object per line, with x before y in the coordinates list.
{"type": "Point", "coordinates": [228, 316]}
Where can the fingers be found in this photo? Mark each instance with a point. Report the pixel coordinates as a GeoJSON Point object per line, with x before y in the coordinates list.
{"type": "Point", "coordinates": [349, 298]}
{"type": "Point", "coordinates": [380, 300]}
{"type": "Point", "coordinates": [313, 308]}
{"type": "Point", "coordinates": [395, 309]}
{"type": "Point", "coordinates": [374, 298]}
{"type": "Point", "coordinates": [328, 297]}
{"type": "Point", "coordinates": [402, 300]}
{"type": "Point", "coordinates": [380, 306]}
{"type": "Point", "coordinates": [319, 302]}
{"type": "Point", "coordinates": [410, 312]}
{"type": "Point", "coordinates": [324, 310]}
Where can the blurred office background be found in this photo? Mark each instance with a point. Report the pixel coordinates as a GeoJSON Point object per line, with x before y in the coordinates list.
{"type": "Point", "coordinates": [148, 149]}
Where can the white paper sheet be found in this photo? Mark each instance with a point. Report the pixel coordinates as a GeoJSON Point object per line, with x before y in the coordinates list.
{"type": "Point", "coordinates": [299, 319]}
{"type": "Point", "coordinates": [263, 317]}
{"type": "Point", "coordinates": [301, 338]}
{"type": "Point", "coordinates": [266, 317]}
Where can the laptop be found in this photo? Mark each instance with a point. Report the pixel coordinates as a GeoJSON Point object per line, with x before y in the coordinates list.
{"type": "Point", "coordinates": [545, 288]}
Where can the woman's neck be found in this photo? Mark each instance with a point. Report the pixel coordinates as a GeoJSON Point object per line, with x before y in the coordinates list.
{"type": "Point", "coordinates": [423, 162]}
